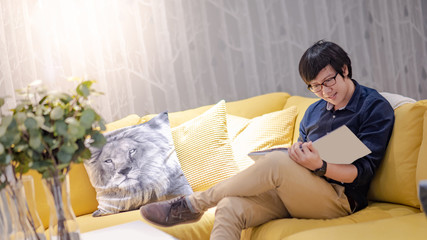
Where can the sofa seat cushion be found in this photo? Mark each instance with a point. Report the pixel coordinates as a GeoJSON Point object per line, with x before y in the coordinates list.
{"type": "Point", "coordinates": [278, 229]}
{"type": "Point", "coordinates": [194, 231]}
{"type": "Point", "coordinates": [413, 226]}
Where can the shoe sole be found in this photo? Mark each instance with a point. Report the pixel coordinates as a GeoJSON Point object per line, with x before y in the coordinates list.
{"type": "Point", "coordinates": [141, 211]}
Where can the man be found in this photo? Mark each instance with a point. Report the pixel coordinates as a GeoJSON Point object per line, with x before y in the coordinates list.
{"type": "Point", "coordinates": [299, 184]}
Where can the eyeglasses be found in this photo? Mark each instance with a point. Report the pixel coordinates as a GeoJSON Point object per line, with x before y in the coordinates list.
{"type": "Point", "coordinates": [327, 83]}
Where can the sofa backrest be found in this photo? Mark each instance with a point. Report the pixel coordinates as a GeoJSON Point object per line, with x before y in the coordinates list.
{"type": "Point", "coordinates": [395, 180]}
{"type": "Point", "coordinates": [302, 103]}
{"type": "Point", "coordinates": [247, 108]}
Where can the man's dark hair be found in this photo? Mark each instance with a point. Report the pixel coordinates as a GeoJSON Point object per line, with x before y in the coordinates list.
{"type": "Point", "coordinates": [319, 56]}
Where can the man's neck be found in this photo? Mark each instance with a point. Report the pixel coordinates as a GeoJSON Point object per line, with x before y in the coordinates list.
{"type": "Point", "coordinates": [351, 88]}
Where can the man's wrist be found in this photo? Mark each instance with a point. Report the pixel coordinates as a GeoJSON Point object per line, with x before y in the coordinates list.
{"type": "Point", "coordinates": [322, 170]}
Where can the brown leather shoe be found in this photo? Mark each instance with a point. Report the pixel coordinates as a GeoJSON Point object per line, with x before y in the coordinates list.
{"type": "Point", "coordinates": [169, 213]}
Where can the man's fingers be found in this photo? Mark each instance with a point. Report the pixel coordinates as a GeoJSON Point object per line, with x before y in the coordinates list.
{"type": "Point", "coordinates": [311, 147]}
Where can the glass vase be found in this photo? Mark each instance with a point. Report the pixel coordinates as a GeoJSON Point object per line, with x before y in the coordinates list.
{"type": "Point", "coordinates": [5, 218]}
{"type": "Point", "coordinates": [17, 219]}
{"type": "Point", "coordinates": [32, 214]}
{"type": "Point", "coordinates": [62, 221]}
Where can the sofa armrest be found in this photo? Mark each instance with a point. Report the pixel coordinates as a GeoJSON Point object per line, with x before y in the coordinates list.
{"type": "Point", "coordinates": [423, 195]}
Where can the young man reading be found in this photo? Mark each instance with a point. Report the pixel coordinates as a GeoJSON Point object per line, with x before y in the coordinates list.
{"type": "Point", "coordinates": [299, 184]}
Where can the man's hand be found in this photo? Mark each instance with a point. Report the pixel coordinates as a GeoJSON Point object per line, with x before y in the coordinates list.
{"type": "Point", "coordinates": [305, 155]}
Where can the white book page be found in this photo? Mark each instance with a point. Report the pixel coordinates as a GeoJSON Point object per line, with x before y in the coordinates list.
{"type": "Point", "coordinates": [341, 146]}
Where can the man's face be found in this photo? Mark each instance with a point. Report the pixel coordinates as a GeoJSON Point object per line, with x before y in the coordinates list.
{"type": "Point", "coordinates": [338, 94]}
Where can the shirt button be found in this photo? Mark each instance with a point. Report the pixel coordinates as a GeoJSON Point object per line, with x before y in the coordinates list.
{"type": "Point", "coordinates": [333, 116]}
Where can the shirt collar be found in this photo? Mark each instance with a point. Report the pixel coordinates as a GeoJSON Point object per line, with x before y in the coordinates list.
{"type": "Point", "coordinates": [352, 104]}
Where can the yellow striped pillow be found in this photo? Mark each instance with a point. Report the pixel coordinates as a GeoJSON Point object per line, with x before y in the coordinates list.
{"type": "Point", "coordinates": [236, 125]}
{"type": "Point", "coordinates": [204, 149]}
{"type": "Point", "coordinates": [264, 132]}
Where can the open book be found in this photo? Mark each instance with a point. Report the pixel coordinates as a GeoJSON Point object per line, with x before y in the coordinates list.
{"type": "Point", "coordinates": [340, 146]}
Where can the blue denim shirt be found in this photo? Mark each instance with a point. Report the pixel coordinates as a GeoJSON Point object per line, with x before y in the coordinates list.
{"type": "Point", "coordinates": [370, 117]}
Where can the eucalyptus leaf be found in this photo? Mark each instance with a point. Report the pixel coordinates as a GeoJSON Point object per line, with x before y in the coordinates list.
{"type": "Point", "coordinates": [49, 141]}
{"type": "Point", "coordinates": [40, 165]}
{"type": "Point", "coordinates": [102, 125]}
{"type": "Point", "coordinates": [1, 102]}
{"type": "Point", "coordinates": [86, 154]}
{"type": "Point", "coordinates": [34, 156]}
{"type": "Point", "coordinates": [87, 118]}
{"type": "Point", "coordinates": [76, 131]}
{"type": "Point", "coordinates": [6, 121]}
{"type": "Point", "coordinates": [65, 98]}
{"type": "Point", "coordinates": [98, 140]}
{"type": "Point", "coordinates": [31, 123]}
{"type": "Point", "coordinates": [57, 113]}
{"type": "Point", "coordinates": [47, 129]}
{"type": "Point", "coordinates": [83, 90]}
{"type": "Point", "coordinates": [39, 120]}
{"type": "Point", "coordinates": [1, 149]}
{"type": "Point", "coordinates": [69, 147]}
{"type": "Point", "coordinates": [88, 83]}
{"type": "Point", "coordinates": [10, 138]}
{"type": "Point", "coordinates": [12, 126]}
{"type": "Point", "coordinates": [22, 168]}
{"type": "Point", "coordinates": [62, 167]}
{"type": "Point", "coordinates": [20, 147]}
{"type": "Point", "coordinates": [72, 120]}
{"type": "Point", "coordinates": [8, 159]}
{"type": "Point", "coordinates": [20, 107]}
{"type": "Point", "coordinates": [2, 130]}
{"type": "Point", "coordinates": [64, 157]}
{"type": "Point", "coordinates": [60, 128]}
{"type": "Point", "coordinates": [35, 142]}
{"type": "Point", "coordinates": [20, 117]}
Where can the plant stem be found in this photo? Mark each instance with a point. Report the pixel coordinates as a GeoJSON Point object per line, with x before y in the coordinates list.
{"type": "Point", "coordinates": [56, 190]}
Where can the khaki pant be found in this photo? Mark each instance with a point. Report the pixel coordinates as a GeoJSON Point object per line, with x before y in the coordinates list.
{"type": "Point", "coordinates": [274, 187]}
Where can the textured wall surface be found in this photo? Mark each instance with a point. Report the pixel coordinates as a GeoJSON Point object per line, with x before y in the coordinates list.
{"type": "Point", "coordinates": [155, 55]}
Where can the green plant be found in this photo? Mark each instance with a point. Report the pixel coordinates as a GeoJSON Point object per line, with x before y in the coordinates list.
{"type": "Point", "coordinates": [49, 131]}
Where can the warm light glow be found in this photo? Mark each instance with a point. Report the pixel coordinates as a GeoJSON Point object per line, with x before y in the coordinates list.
{"type": "Point", "coordinates": [75, 31]}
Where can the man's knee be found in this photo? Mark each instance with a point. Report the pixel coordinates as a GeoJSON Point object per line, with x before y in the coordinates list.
{"type": "Point", "coordinates": [232, 209]}
{"type": "Point", "coordinates": [230, 205]}
{"type": "Point", "coordinates": [280, 160]}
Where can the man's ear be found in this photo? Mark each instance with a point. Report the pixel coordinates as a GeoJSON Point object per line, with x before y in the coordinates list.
{"type": "Point", "coordinates": [345, 70]}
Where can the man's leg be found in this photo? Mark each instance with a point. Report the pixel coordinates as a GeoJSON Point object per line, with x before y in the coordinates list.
{"type": "Point", "coordinates": [304, 194]}
{"type": "Point", "coordinates": [233, 214]}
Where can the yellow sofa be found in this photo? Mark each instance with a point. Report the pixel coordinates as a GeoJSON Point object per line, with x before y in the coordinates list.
{"type": "Point", "coordinates": [394, 206]}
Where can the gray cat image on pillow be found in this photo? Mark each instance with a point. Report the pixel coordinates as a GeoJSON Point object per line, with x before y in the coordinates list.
{"type": "Point", "coordinates": [137, 165]}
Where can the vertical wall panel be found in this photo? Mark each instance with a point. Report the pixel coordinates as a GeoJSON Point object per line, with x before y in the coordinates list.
{"type": "Point", "coordinates": [150, 56]}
